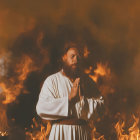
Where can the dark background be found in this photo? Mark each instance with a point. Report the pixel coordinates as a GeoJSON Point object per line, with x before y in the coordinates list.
{"type": "Point", "coordinates": [110, 30]}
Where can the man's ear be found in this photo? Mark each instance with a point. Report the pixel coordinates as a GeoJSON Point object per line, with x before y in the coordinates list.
{"type": "Point", "coordinates": [64, 57]}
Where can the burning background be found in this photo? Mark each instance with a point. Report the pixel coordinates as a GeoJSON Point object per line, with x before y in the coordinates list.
{"type": "Point", "coordinates": [32, 34]}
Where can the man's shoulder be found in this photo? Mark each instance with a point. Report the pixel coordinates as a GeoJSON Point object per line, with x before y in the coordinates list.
{"type": "Point", "coordinates": [53, 77]}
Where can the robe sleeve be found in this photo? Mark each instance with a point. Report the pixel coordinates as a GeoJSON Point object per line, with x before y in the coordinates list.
{"type": "Point", "coordinates": [89, 108]}
{"type": "Point", "coordinates": [49, 105]}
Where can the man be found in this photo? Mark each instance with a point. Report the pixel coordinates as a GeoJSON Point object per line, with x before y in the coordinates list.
{"type": "Point", "coordinates": [67, 99]}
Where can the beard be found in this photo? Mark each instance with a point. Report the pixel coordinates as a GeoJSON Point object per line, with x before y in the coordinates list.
{"type": "Point", "coordinates": [72, 71]}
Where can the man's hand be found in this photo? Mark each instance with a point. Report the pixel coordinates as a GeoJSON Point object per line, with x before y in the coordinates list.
{"type": "Point", "coordinates": [75, 89]}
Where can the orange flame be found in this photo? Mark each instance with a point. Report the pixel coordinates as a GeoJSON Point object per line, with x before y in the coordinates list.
{"type": "Point", "coordinates": [101, 70]}
{"type": "Point", "coordinates": [134, 132]}
{"type": "Point", "coordinates": [94, 132]}
{"type": "Point", "coordinates": [40, 132]}
{"type": "Point", "coordinates": [12, 88]}
{"type": "Point", "coordinates": [3, 121]}
{"type": "Point", "coordinates": [104, 71]}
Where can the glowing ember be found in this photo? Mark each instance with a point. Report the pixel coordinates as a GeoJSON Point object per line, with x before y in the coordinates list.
{"type": "Point", "coordinates": [134, 132]}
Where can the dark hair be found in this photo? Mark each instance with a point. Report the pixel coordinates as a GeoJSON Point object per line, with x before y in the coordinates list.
{"type": "Point", "coordinates": [69, 45]}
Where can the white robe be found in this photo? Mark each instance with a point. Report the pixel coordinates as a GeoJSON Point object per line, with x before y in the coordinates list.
{"type": "Point", "coordinates": [53, 104]}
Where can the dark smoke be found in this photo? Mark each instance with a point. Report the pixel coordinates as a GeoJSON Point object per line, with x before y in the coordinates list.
{"type": "Point", "coordinates": [109, 29]}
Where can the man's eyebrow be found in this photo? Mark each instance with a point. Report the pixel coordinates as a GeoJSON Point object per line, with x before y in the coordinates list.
{"type": "Point", "coordinates": [72, 54]}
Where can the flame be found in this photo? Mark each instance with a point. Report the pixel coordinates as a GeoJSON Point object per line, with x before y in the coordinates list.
{"type": "Point", "coordinates": [96, 135]}
{"type": "Point", "coordinates": [39, 131]}
{"type": "Point", "coordinates": [24, 68]}
{"type": "Point", "coordinates": [134, 132]}
{"type": "Point", "coordinates": [3, 121]}
{"type": "Point", "coordinates": [11, 88]}
{"type": "Point", "coordinates": [108, 77]}
{"type": "Point", "coordinates": [101, 70]}
{"type": "Point", "coordinates": [3, 133]}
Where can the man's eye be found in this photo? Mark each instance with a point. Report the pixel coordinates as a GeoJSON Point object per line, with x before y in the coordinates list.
{"type": "Point", "coordinates": [72, 56]}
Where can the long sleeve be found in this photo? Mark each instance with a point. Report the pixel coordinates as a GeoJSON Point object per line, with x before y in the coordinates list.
{"type": "Point", "coordinates": [50, 106]}
{"type": "Point", "coordinates": [89, 108]}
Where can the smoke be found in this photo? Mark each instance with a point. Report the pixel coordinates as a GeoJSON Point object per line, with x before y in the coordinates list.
{"type": "Point", "coordinates": [38, 30]}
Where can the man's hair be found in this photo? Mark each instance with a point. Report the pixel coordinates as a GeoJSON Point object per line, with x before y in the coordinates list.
{"type": "Point", "coordinates": [70, 45]}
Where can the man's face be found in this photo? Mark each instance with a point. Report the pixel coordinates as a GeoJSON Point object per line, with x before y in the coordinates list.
{"type": "Point", "coordinates": [71, 61]}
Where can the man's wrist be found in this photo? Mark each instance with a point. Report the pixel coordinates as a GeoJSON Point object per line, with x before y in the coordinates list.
{"type": "Point", "coordinates": [70, 98]}
{"type": "Point", "coordinates": [73, 99]}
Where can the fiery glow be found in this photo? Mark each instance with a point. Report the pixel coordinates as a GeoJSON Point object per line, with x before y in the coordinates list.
{"type": "Point", "coordinates": [24, 68]}
{"type": "Point", "coordinates": [3, 121]}
{"type": "Point", "coordinates": [86, 52]}
{"type": "Point", "coordinates": [12, 88]}
{"type": "Point", "coordinates": [134, 132]}
{"type": "Point", "coordinates": [39, 131]}
{"type": "Point", "coordinates": [98, 137]}
{"type": "Point", "coordinates": [3, 133]}
{"type": "Point", "coordinates": [108, 78]}
{"type": "Point", "coordinates": [101, 70]}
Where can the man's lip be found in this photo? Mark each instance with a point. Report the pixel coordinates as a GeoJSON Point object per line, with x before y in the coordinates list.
{"type": "Point", "coordinates": [74, 65]}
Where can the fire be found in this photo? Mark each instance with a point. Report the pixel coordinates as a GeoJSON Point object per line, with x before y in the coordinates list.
{"type": "Point", "coordinates": [101, 70]}
{"type": "Point", "coordinates": [108, 78]}
{"type": "Point", "coordinates": [3, 133]}
{"type": "Point", "coordinates": [12, 88]}
{"type": "Point", "coordinates": [134, 132]}
{"type": "Point", "coordinates": [3, 121]}
{"type": "Point", "coordinates": [96, 135]}
{"type": "Point", "coordinates": [40, 131]}
{"type": "Point", "coordinates": [24, 68]}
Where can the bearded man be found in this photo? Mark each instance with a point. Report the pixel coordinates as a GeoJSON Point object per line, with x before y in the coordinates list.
{"type": "Point", "coordinates": [69, 99]}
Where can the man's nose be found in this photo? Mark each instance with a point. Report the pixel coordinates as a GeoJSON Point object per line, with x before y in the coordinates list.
{"type": "Point", "coordinates": [75, 60]}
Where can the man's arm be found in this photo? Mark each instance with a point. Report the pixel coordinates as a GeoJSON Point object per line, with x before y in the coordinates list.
{"type": "Point", "coordinates": [49, 106]}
